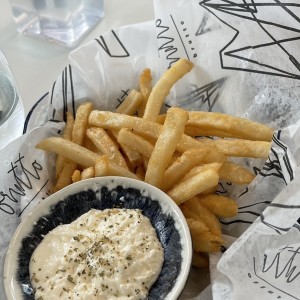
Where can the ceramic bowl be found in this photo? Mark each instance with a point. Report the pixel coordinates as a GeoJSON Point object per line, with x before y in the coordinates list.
{"type": "Point", "coordinates": [100, 193]}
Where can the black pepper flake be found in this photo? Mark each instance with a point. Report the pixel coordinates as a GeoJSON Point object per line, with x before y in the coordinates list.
{"type": "Point", "coordinates": [70, 279]}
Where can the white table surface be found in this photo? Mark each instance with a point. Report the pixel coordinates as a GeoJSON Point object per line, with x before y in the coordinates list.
{"type": "Point", "coordinates": [35, 64]}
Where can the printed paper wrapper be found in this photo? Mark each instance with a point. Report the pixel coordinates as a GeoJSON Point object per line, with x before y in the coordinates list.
{"type": "Point", "coordinates": [246, 64]}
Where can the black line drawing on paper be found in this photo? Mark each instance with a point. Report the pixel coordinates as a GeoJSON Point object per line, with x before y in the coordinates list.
{"type": "Point", "coordinates": [272, 167]}
{"type": "Point", "coordinates": [206, 95]}
{"type": "Point", "coordinates": [282, 266]}
{"type": "Point", "coordinates": [166, 40]}
{"type": "Point", "coordinates": [118, 49]}
{"type": "Point", "coordinates": [253, 11]}
{"type": "Point", "coordinates": [124, 94]}
{"type": "Point", "coordinates": [276, 228]}
{"type": "Point", "coordinates": [167, 44]}
{"type": "Point", "coordinates": [204, 27]}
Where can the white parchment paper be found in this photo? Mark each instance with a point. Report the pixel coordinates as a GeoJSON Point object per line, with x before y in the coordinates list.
{"type": "Point", "coordinates": [246, 64]}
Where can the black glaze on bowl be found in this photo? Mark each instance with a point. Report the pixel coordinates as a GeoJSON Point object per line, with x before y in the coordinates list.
{"type": "Point", "coordinates": [69, 209]}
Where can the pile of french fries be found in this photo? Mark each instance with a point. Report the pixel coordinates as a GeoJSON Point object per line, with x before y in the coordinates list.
{"type": "Point", "coordinates": [136, 141]}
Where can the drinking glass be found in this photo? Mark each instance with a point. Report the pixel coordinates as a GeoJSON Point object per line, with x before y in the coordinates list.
{"type": "Point", "coordinates": [11, 108]}
{"type": "Point", "coordinates": [61, 21]}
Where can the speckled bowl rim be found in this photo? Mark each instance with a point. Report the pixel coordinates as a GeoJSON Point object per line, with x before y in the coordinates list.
{"type": "Point", "coordinates": [168, 205]}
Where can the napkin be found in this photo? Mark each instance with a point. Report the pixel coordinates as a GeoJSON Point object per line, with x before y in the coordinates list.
{"type": "Point", "coordinates": [246, 64]}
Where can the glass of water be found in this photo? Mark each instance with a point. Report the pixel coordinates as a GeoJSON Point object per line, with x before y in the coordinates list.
{"type": "Point", "coordinates": [11, 108]}
{"type": "Point", "coordinates": [61, 21]}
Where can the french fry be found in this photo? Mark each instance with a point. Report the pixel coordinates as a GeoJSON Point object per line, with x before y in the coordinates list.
{"type": "Point", "coordinates": [65, 177]}
{"type": "Point", "coordinates": [174, 158]}
{"type": "Point", "coordinates": [76, 176]}
{"type": "Point", "coordinates": [206, 242]}
{"type": "Point", "coordinates": [210, 191]}
{"type": "Point", "coordinates": [148, 129]}
{"type": "Point", "coordinates": [234, 126]}
{"type": "Point", "coordinates": [68, 136]}
{"type": "Point", "coordinates": [140, 172]}
{"type": "Point", "coordinates": [200, 168]}
{"type": "Point", "coordinates": [214, 155]}
{"type": "Point", "coordinates": [135, 142]}
{"type": "Point", "coordinates": [105, 144]}
{"type": "Point", "coordinates": [191, 214]}
{"type": "Point", "coordinates": [133, 158]}
{"type": "Point", "coordinates": [203, 239]}
{"type": "Point", "coordinates": [163, 86]}
{"type": "Point", "coordinates": [161, 119]}
{"type": "Point", "coordinates": [145, 162]}
{"type": "Point", "coordinates": [145, 86]}
{"type": "Point", "coordinates": [165, 146]}
{"type": "Point", "coordinates": [88, 144]}
{"type": "Point", "coordinates": [221, 206]}
{"type": "Point", "coordinates": [105, 167]}
{"type": "Point", "coordinates": [200, 260]}
{"type": "Point", "coordinates": [235, 173]}
{"type": "Point", "coordinates": [81, 121]}
{"type": "Point", "coordinates": [101, 167]}
{"type": "Point", "coordinates": [197, 226]}
{"type": "Point", "coordinates": [194, 185]}
{"type": "Point", "coordinates": [88, 173]}
{"type": "Point", "coordinates": [204, 215]}
{"type": "Point", "coordinates": [69, 126]}
{"type": "Point", "coordinates": [240, 148]}
{"type": "Point", "coordinates": [198, 132]}
{"type": "Point", "coordinates": [70, 150]}
{"type": "Point", "coordinates": [131, 103]}
{"type": "Point", "coordinates": [111, 120]}
{"type": "Point", "coordinates": [182, 165]}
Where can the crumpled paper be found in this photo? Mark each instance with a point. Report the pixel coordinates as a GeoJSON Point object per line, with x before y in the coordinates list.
{"type": "Point", "coordinates": [245, 56]}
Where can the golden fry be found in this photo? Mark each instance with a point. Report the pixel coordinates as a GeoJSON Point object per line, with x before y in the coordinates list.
{"type": "Point", "coordinates": [198, 169]}
{"type": "Point", "coordinates": [105, 167]}
{"type": "Point", "coordinates": [145, 86]}
{"type": "Point", "coordinates": [76, 176]}
{"type": "Point", "coordinates": [199, 131]}
{"type": "Point", "coordinates": [194, 185]}
{"type": "Point", "coordinates": [133, 158]}
{"type": "Point", "coordinates": [88, 173]}
{"type": "Point", "coordinates": [65, 177]}
{"type": "Point", "coordinates": [197, 225]}
{"type": "Point", "coordinates": [221, 206]}
{"type": "Point", "coordinates": [69, 126]}
{"type": "Point", "coordinates": [105, 144]}
{"type": "Point", "coordinates": [165, 146]}
{"type": "Point", "coordinates": [234, 126]}
{"type": "Point", "coordinates": [206, 242]}
{"type": "Point", "coordinates": [70, 150]}
{"type": "Point", "coordinates": [140, 172]}
{"type": "Point", "coordinates": [182, 165]}
{"type": "Point", "coordinates": [204, 215]}
{"type": "Point", "coordinates": [235, 174]}
{"type": "Point", "coordinates": [135, 142]}
{"type": "Point", "coordinates": [163, 86]}
{"type": "Point", "coordinates": [240, 148]}
{"type": "Point", "coordinates": [148, 129]}
{"type": "Point", "coordinates": [88, 144]}
{"type": "Point", "coordinates": [81, 121]}
{"type": "Point", "coordinates": [191, 214]}
{"type": "Point", "coordinates": [101, 167]}
{"type": "Point", "coordinates": [68, 136]}
{"type": "Point", "coordinates": [131, 103]}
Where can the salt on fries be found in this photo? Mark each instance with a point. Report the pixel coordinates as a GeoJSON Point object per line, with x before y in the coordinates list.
{"type": "Point", "coordinates": [165, 151]}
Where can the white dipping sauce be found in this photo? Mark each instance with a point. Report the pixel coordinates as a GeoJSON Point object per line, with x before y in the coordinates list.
{"type": "Point", "coordinates": [109, 254]}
